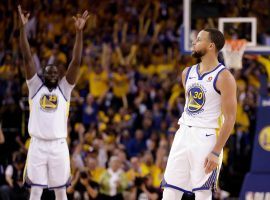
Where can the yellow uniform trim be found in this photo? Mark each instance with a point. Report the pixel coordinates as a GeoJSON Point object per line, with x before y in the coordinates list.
{"type": "Point", "coordinates": [25, 167]}
{"type": "Point", "coordinates": [30, 104]}
{"type": "Point", "coordinates": [68, 105]}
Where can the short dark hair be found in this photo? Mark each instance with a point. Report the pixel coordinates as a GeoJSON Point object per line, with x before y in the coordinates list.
{"type": "Point", "coordinates": [216, 37]}
{"type": "Point", "coordinates": [49, 65]}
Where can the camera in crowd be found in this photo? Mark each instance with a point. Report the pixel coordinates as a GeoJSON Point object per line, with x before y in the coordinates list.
{"type": "Point", "coordinates": [83, 175]}
{"type": "Point", "coordinates": [139, 181]}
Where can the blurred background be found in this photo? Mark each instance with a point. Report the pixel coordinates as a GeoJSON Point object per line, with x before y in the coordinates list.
{"type": "Point", "coordinates": [129, 97]}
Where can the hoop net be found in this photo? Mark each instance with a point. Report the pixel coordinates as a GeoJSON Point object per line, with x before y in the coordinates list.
{"type": "Point", "coordinates": [233, 53]}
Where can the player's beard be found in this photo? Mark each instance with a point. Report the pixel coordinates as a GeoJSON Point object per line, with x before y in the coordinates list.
{"type": "Point", "coordinates": [198, 54]}
{"type": "Point", "coordinates": [49, 84]}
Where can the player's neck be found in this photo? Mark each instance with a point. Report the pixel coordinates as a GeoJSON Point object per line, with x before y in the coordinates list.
{"type": "Point", "coordinates": [208, 62]}
{"type": "Point", "coordinates": [50, 87]}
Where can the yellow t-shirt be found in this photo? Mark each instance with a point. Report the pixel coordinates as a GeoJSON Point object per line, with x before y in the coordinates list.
{"type": "Point", "coordinates": [120, 84]}
{"type": "Point", "coordinates": [163, 69]}
{"type": "Point", "coordinates": [157, 175]}
{"type": "Point", "coordinates": [57, 27]}
{"type": "Point", "coordinates": [242, 117]}
{"type": "Point", "coordinates": [150, 70]}
{"type": "Point", "coordinates": [7, 69]}
{"type": "Point", "coordinates": [131, 174]}
{"type": "Point", "coordinates": [96, 174]}
{"type": "Point", "coordinates": [241, 85]}
{"type": "Point", "coordinates": [145, 169]}
{"type": "Point", "coordinates": [266, 63]}
{"type": "Point", "coordinates": [98, 83]}
{"type": "Point", "coordinates": [254, 81]}
{"type": "Point", "coordinates": [60, 56]}
{"type": "Point", "coordinates": [154, 171]}
{"type": "Point", "coordinates": [175, 93]}
{"type": "Point", "coordinates": [83, 77]}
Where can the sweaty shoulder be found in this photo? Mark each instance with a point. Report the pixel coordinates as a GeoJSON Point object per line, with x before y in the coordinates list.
{"type": "Point", "coordinates": [34, 84]}
{"type": "Point", "coordinates": [225, 80]}
{"type": "Point", "coordinates": [65, 88]}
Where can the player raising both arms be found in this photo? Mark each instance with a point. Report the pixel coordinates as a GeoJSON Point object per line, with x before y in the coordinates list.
{"type": "Point", "coordinates": [48, 164]}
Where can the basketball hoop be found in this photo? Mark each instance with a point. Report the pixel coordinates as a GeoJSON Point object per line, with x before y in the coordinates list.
{"type": "Point", "coordinates": [233, 53]}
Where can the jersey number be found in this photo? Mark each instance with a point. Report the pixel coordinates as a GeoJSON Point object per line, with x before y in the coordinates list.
{"type": "Point", "coordinates": [197, 95]}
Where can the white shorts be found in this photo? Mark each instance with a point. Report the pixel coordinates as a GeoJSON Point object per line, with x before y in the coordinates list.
{"type": "Point", "coordinates": [47, 164]}
{"type": "Point", "coordinates": [185, 167]}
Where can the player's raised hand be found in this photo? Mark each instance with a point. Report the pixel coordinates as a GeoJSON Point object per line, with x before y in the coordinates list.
{"type": "Point", "coordinates": [80, 20]}
{"type": "Point", "coordinates": [23, 16]}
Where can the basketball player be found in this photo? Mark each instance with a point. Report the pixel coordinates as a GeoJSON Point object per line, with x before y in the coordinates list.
{"type": "Point", "coordinates": [48, 164]}
{"type": "Point", "coordinates": [205, 125]}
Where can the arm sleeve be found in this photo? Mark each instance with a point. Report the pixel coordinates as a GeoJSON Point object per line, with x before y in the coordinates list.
{"type": "Point", "coordinates": [33, 85]}
{"type": "Point", "coordinates": [66, 88]}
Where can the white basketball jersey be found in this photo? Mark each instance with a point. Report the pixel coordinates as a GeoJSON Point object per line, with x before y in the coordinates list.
{"type": "Point", "coordinates": [203, 101]}
{"type": "Point", "coordinates": [48, 109]}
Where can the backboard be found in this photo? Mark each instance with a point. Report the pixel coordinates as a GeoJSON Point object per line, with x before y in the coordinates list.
{"type": "Point", "coordinates": [199, 14]}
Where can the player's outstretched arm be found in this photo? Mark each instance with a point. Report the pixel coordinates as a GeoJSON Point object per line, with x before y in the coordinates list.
{"type": "Point", "coordinates": [227, 87]}
{"type": "Point", "coordinates": [24, 45]}
{"type": "Point", "coordinates": [74, 66]}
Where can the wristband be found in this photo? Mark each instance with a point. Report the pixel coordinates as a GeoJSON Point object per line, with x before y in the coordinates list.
{"type": "Point", "coordinates": [214, 153]}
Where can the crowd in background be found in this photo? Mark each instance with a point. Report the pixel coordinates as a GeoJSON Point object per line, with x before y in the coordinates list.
{"type": "Point", "coordinates": [125, 107]}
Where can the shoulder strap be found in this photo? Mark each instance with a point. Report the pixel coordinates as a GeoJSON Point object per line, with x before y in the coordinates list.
{"type": "Point", "coordinates": [216, 78]}
{"type": "Point", "coordinates": [187, 75]}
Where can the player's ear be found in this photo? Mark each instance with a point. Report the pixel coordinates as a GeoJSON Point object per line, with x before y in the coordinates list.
{"type": "Point", "coordinates": [212, 45]}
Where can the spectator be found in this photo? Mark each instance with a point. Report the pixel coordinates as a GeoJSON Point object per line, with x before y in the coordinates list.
{"type": "Point", "coordinates": [113, 182]}
{"type": "Point", "coordinates": [14, 179]}
{"type": "Point", "coordinates": [83, 187]}
{"type": "Point", "coordinates": [137, 144]}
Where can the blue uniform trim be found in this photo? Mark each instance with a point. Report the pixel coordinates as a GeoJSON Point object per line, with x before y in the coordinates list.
{"type": "Point", "coordinates": [28, 183]}
{"type": "Point", "coordinates": [37, 91]}
{"type": "Point", "coordinates": [200, 77]}
{"type": "Point", "coordinates": [62, 93]}
{"type": "Point", "coordinates": [209, 184]}
{"type": "Point", "coordinates": [215, 81]}
{"type": "Point", "coordinates": [40, 77]}
{"type": "Point", "coordinates": [57, 187]}
{"type": "Point", "coordinates": [68, 183]}
{"type": "Point", "coordinates": [201, 188]}
{"type": "Point", "coordinates": [39, 185]}
{"type": "Point", "coordinates": [187, 74]}
{"type": "Point", "coordinates": [165, 184]}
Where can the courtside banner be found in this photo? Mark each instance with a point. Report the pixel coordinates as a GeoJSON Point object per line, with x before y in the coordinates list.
{"type": "Point", "coordinates": [256, 185]}
{"type": "Point", "coordinates": [261, 150]}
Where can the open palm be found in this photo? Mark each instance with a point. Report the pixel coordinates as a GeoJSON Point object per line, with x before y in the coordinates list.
{"type": "Point", "coordinates": [81, 20]}
{"type": "Point", "coordinates": [23, 17]}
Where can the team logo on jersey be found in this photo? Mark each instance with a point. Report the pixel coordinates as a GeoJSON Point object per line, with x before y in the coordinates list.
{"type": "Point", "coordinates": [264, 138]}
{"type": "Point", "coordinates": [48, 102]}
{"type": "Point", "coordinates": [209, 78]}
{"type": "Point", "coordinates": [196, 98]}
